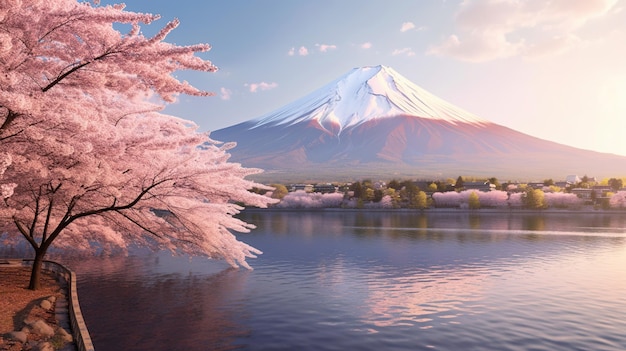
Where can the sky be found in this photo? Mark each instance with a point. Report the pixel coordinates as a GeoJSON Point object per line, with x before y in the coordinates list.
{"type": "Point", "coordinates": [554, 69]}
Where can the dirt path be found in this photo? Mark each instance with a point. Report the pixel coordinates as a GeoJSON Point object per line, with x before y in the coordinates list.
{"type": "Point", "coordinates": [16, 300]}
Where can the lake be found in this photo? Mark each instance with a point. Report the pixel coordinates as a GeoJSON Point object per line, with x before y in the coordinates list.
{"type": "Point", "coordinates": [368, 280]}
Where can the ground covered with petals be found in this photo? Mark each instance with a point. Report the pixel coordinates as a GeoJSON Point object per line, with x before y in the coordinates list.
{"type": "Point", "coordinates": [17, 301]}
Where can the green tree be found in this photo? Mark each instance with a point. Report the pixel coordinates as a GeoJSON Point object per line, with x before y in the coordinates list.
{"type": "Point", "coordinates": [494, 181]}
{"type": "Point", "coordinates": [460, 184]}
{"type": "Point", "coordinates": [279, 191]}
{"type": "Point", "coordinates": [368, 194]}
{"type": "Point", "coordinates": [534, 199]}
{"type": "Point", "coordinates": [443, 186]}
{"type": "Point", "coordinates": [432, 187]}
{"type": "Point", "coordinates": [548, 182]}
{"type": "Point", "coordinates": [357, 189]}
{"type": "Point", "coordinates": [394, 184]}
{"type": "Point", "coordinates": [616, 184]}
{"type": "Point", "coordinates": [378, 195]}
{"type": "Point", "coordinates": [555, 189]}
{"type": "Point", "coordinates": [474, 201]}
{"type": "Point", "coordinates": [408, 192]}
{"type": "Point", "coordinates": [420, 200]}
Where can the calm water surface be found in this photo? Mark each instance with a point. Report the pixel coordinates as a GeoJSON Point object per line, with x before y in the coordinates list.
{"type": "Point", "coordinates": [375, 281]}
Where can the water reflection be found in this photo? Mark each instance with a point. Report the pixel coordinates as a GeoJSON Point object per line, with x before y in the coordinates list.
{"type": "Point", "coordinates": [344, 280]}
{"type": "Point", "coordinates": [132, 309]}
{"type": "Point", "coordinates": [423, 298]}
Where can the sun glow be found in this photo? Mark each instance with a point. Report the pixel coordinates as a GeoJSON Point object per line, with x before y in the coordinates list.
{"type": "Point", "coordinates": [612, 102]}
{"type": "Point", "coordinates": [613, 96]}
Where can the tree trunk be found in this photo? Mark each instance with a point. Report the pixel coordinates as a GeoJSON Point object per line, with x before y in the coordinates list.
{"type": "Point", "coordinates": [35, 274]}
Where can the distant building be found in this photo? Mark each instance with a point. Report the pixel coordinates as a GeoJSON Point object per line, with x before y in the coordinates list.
{"type": "Point", "coordinates": [593, 194]}
{"type": "Point", "coordinates": [572, 179]}
{"type": "Point", "coordinates": [324, 188]}
{"type": "Point", "coordinates": [583, 193]}
{"type": "Point", "coordinates": [536, 185]}
{"type": "Point", "coordinates": [602, 189]}
{"type": "Point", "coordinates": [480, 186]}
{"type": "Point", "coordinates": [306, 187]}
{"type": "Point", "coordinates": [562, 184]}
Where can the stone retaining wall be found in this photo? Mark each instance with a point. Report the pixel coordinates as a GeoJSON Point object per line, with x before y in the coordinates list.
{"type": "Point", "coordinates": [79, 328]}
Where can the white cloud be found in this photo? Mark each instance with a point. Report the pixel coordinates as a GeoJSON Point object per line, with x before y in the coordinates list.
{"type": "Point", "coordinates": [366, 45]}
{"type": "Point", "coordinates": [477, 48]}
{"type": "Point", "coordinates": [326, 47]}
{"type": "Point", "coordinates": [302, 51]}
{"type": "Point", "coordinates": [494, 29]}
{"type": "Point", "coordinates": [554, 45]}
{"type": "Point", "coordinates": [404, 51]}
{"type": "Point", "coordinates": [254, 87]}
{"type": "Point", "coordinates": [406, 26]}
{"type": "Point", "coordinates": [225, 94]}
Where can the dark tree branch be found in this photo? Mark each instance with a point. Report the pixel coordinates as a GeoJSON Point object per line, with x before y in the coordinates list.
{"type": "Point", "coordinates": [113, 208]}
{"type": "Point", "coordinates": [139, 224]}
{"type": "Point", "coordinates": [24, 233]}
{"type": "Point", "coordinates": [76, 68]}
{"type": "Point", "coordinates": [11, 116]}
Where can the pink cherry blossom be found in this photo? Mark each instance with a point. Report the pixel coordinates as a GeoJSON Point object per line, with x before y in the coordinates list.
{"type": "Point", "coordinates": [85, 156]}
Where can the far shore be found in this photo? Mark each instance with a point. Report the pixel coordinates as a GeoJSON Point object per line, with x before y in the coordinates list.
{"type": "Point", "coordinates": [447, 210]}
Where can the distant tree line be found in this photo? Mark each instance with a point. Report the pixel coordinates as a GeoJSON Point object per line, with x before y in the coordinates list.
{"type": "Point", "coordinates": [451, 193]}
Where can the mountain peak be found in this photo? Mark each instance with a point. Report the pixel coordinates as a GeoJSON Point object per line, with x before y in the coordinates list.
{"type": "Point", "coordinates": [374, 123]}
{"type": "Point", "coordinates": [364, 94]}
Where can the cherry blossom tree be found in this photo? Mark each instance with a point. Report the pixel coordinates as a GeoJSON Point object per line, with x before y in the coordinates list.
{"type": "Point", "coordinates": [496, 198]}
{"type": "Point", "coordinates": [447, 199]}
{"type": "Point", "coordinates": [54, 54]}
{"type": "Point", "coordinates": [618, 200]}
{"type": "Point", "coordinates": [85, 156]}
{"type": "Point", "coordinates": [516, 200]}
{"type": "Point", "coordinates": [302, 199]}
{"type": "Point", "coordinates": [562, 200]}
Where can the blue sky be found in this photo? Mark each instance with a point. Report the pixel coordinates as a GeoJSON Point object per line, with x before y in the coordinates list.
{"type": "Point", "coordinates": [552, 69]}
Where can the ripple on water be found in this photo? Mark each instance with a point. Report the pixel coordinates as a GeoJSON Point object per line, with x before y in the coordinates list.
{"type": "Point", "coordinates": [341, 289]}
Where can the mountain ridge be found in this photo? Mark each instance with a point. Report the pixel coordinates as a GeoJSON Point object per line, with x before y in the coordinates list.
{"type": "Point", "coordinates": [373, 122]}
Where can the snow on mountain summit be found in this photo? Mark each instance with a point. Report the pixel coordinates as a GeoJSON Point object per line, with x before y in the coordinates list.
{"type": "Point", "coordinates": [364, 94]}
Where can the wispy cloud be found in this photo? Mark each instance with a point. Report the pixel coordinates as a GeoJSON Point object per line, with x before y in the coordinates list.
{"type": "Point", "coordinates": [255, 87]}
{"type": "Point", "coordinates": [302, 51]}
{"type": "Point", "coordinates": [406, 26]}
{"type": "Point", "coordinates": [493, 29]}
{"type": "Point", "coordinates": [404, 51]}
{"type": "Point", "coordinates": [326, 47]}
{"type": "Point", "coordinates": [225, 94]}
{"type": "Point", "coordinates": [366, 45]}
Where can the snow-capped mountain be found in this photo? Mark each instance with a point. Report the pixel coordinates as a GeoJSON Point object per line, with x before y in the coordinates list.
{"type": "Point", "coordinates": [362, 95]}
{"type": "Point", "coordinates": [373, 122]}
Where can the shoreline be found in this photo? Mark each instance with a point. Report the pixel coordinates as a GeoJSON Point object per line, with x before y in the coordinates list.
{"type": "Point", "coordinates": [441, 210]}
